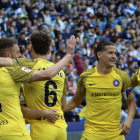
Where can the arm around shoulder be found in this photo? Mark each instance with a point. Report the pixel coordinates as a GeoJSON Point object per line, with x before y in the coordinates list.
{"type": "Point", "coordinates": [5, 62]}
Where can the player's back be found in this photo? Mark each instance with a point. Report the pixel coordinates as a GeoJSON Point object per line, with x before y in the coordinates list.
{"type": "Point", "coordinates": [11, 118]}
{"type": "Point", "coordinates": [45, 95]}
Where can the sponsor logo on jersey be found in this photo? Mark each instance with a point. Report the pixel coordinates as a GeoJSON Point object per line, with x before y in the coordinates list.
{"type": "Point", "coordinates": [25, 69]}
{"type": "Point", "coordinates": [96, 94]}
{"type": "Point", "coordinates": [116, 83]}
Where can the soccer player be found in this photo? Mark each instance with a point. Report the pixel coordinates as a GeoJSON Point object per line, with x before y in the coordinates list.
{"type": "Point", "coordinates": [135, 79]}
{"type": "Point", "coordinates": [10, 49]}
{"type": "Point", "coordinates": [12, 124]}
{"type": "Point", "coordinates": [45, 95]}
{"type": "Point", "coordinates": [103, 87]}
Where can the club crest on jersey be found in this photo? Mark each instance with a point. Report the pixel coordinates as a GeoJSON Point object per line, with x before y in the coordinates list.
{"type": "Point", "coordinates": [116, 83]}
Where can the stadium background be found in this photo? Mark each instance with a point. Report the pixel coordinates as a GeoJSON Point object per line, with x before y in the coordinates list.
{"type": "Point", "coordinates": [90, 21]}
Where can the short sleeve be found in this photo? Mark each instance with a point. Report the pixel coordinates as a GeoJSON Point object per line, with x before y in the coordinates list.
{"type": "Point", "coordinates": [134, 79]}
{"type": "Point", "coordinates": [29, 63]}
{"type": "Point", "coordinates": [81, 86]}
{"type": "Point", "coordinates": [20, 74]}
{"type": "Point", "coordinates": [137, 76]}
{"type": "Point", "coordinates": [127, 88]}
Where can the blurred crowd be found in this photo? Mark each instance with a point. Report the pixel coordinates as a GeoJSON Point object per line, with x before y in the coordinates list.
{"type": "Point", "coordinates": [90, 21]}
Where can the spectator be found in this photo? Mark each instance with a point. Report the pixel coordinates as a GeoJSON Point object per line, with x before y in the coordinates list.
{"type": "Point", "coordinates": [20, 24]}
{"type": "Point", "coordinates": [21, 40]}
{"type": "Point", "coordinates": [47, 17]}
{"type": "Point", "coordinates": [62, 50]}
{"type": "Point", "coordinates": [52, 59]}
{"type": "Point", "coordinates": [67, 34]}
{"type": "Point", "coordinates": [90, 9]}
{"type": "Point", "coordinates": [3, 35]}
{"type": "Point", "coordinates": [33, 14]}
{"type": "Point", "coordinates": [46, 6]}
{"type": "Point", "coordinates": [86, 64]}
{"type": "Point", "coordinates": [22, 10]}
{"type": "Point", "coordinates": [57, 58]}
{"type": "Point", "coordinates": [40, 14]}
{"type": "Point", "coordinates": [71, 116]}
{"type": "Point", "coordinates": [86, 50]}
{"type": "Point", "coordinates": [58, 6]}
{"type": "Point", "coordinates": [78, 62]}
{"type": "Point", "coordinates": [134, 53]}
{"type": "Point", "coordinates": [4, 26]}
{"type": "Point", "coordinates": [70, 83]}
{"type": "Point", "coordinates": [12, 32]}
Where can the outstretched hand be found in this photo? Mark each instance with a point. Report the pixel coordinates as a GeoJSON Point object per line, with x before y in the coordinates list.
{"type": "Point", "coordinates": [71, 45]}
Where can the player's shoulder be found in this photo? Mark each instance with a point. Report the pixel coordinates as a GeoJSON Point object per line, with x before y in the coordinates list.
{"type": "Point", "coordinates": [138, 71]}
{"type": "Point", "coordinates": [17, 60]}
{"type": "Point", "coordinates": [13, 68]}
{"type": "Point", "coordinates": [44, 61]}
{"type": "Point", "coordinates": [49, 63]}
{"type": "Point", "coordinates": [6, 69]}
{"type": "Point", "coordinates": [87, 73]}
{"type": "Point", "coordinates": [120, 72]}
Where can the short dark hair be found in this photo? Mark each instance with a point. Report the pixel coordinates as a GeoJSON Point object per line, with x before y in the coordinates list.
{"type": "Point", "coordinates": [70, 78]}
{"type": "Point", "coordinates": [6, 44]}
{"type": "Point", "coordinates": [78, 50]}
{"type": "Point", "coordinates": [101, 47]}
{"type": "Point", "coordinates": [41, 42]}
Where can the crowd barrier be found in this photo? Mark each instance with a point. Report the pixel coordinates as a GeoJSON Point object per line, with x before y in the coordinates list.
{"type": "Point", "coordinates": [75, 130]}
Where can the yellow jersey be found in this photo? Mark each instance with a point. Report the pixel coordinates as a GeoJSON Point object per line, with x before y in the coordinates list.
{"type": "Point", "coordinates": [136, 77]}
{"type": "Point", "coordinates": [44, 95]}
{"type": "Point", "coordinates": [11, 118]}
{"type": "Point", "coordinates": [104, 99]}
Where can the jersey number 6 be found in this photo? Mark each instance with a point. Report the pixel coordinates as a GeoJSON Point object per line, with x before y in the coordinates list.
{"type": "Point", "coordinates": [47, 93]}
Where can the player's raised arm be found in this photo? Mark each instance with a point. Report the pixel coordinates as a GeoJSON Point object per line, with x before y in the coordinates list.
{"type": "Point", "coordinates": [51, 71]}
